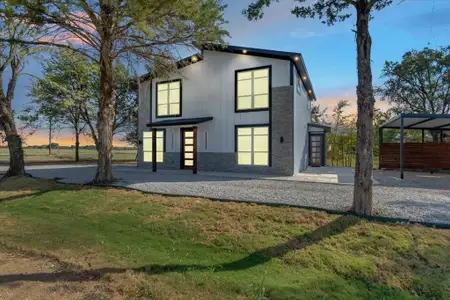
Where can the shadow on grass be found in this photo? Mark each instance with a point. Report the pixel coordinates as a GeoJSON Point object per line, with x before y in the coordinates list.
{"type": "Point", "coordinates": [21, 196]}
{"type": "Point", "coordinates": [262, 256]}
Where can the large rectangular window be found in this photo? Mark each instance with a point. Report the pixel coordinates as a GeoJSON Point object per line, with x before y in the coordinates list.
{"type": "Point", "coordinates": [252, 145]}
{"type": "Point", "coordinates": [253, 89]}
{"type": "Point", "coordinates": [168, 99]}
{"type": "Point", "coordinates": [148, 146]}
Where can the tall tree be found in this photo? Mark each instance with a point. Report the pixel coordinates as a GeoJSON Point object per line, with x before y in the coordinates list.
{"type": "Point", "coordinates": [12, 58]}
{"type": "Point", "coordinates": [340, 119]}
{"type": "Point", "coordinates": [420, 83]}
{"type": "Point", "coordinates": [319, 115]}
{"type": "Point", "coordinates": [69, 87]}
{"type": "Point", "coordinates": [44, 112]}
{"type": "Point", "coordinates": [330, 12]}
{"type": "Point", "coordinates": [110, 30]}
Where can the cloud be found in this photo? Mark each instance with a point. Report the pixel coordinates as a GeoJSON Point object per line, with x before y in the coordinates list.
{"type": "Point", "coordinates": [330, 100]}
{"type": "Point", "coordinates": [305, 34]}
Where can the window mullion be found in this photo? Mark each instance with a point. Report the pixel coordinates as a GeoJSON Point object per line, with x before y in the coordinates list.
{"type": "Point", "coordinates": [168, 100]}
{"type": "Point", "coordinates": [252, 154]}
{"type": "Point", "coordinates": [252, 90]}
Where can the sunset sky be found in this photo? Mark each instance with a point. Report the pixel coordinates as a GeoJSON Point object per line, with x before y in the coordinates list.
{"type": "Point", "coordinates": [329, 52]}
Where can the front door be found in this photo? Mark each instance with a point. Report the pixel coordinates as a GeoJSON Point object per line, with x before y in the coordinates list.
{"type": "Point", "coordinates": [188, 150]}
{"type": "Point", "coordinates": [315, 150]}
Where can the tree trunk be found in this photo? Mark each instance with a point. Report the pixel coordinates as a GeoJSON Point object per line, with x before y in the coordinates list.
{"type": "Point", "coordinates": [16, 160]}
{"type": "Point", "coordinates": [50, 136]}
{"type": "Point", "coordinates": [77, 144]}
{"type": "Point", "coordinates": [105, 115]}
{"type": "Point", "coordinates": [362, 194]}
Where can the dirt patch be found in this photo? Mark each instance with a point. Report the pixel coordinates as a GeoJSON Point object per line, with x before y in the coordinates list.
{"type": "Point", "coordinates": [23, 277]}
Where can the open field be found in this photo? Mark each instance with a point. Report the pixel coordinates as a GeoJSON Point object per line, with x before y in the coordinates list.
{"type": "Point", "coordinates": [73, 242]}
{"type": "Point", "coordinates": [67, 155]}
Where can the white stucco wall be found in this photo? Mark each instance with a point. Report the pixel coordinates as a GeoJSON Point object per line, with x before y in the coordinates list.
{"type": "Point", "coordinates": [208, 89]}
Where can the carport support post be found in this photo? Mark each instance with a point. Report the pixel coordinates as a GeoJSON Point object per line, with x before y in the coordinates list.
{"type": "Point", "coordinates": [154, 149]}
{"type": "Point", "coordinates": [423, 136]}
{"type": "Point", "coordinates": [380, 143]}
{"type": "Point", "coordinates": [402, 146]}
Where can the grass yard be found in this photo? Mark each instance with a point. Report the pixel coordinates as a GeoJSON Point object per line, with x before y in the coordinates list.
{"type": "Point", "coordinates": [67, 155]}
{"type": "Point", "coordinates": [106, 243]}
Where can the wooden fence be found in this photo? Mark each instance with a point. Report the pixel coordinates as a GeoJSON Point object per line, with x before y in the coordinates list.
{"type": "Point", "coordinates": [434, 156]}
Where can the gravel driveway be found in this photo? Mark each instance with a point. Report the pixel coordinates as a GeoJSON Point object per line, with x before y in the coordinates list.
{"type": "Point", "coordinates": [400, 199]}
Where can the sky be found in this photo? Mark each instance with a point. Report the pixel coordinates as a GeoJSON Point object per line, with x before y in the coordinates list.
{"type": "Point", "coordinates": [329, 52]}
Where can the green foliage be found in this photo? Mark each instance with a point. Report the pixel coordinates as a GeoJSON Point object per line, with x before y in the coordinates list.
{"type": "Point", "coordinates": [319, 115]}
{"type": "Point", "coordinates": [329, 11]}
{"type": "Point", "coordinates": [420, 83]}
{"type": "Point", "coordinates": [172, 245]}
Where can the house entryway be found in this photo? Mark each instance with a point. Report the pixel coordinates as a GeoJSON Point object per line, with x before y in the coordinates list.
{"type": "Point", "coordinates": [316, 148]}
{"type": "Point", "coordinates": [189, 149]}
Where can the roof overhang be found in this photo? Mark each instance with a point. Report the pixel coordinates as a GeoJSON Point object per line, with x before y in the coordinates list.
{"type": "Point", "coordinates": [295, 58]}
{"type": "Point", "coordinates": [326, 128]}
{"type": "Point", "coordinates": [419, 121]}
{"type": "Point", "coordinates": [180, 122]}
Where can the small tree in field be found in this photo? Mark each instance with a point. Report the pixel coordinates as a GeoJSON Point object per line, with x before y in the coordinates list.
{"type": "Point", "coordinates": [107, 31]}
{"type": "Point", "coordinates": [330, 12]}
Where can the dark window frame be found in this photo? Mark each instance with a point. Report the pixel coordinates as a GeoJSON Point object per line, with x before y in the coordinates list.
{"type": "Point", "coordinates": [236, 110]}
{"type": "Point", "coordinates": [164, 141]}
{"type": "Point", "coordinates": [268, 125]}
{"type": "Point", "coordinates": [181, 99]}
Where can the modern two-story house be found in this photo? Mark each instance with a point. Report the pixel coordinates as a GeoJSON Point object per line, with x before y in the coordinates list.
{"type": "Point", "coordinates": [232, 109]}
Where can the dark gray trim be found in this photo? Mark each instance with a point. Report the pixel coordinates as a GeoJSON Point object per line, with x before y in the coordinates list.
{"type": "Point", "coordinates": [291, 73]}
{"type": "Point", "coordinates": [254, 125]}
{"type": "Point", "coordinates": [168, 108]}
{"type": "Point", "coordinates": [151, 101]}
{"type": "Point", "coordinates": [326, 128]}
{"type": "Point", "coordinates": [236, 90]}
{"type": "Point", "coordinates": [180, 122]}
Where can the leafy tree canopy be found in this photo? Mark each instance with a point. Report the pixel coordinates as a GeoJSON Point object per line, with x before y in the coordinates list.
{"type": "Point", "coordinates": [328, 11]}
{"type": "Point", "coordinates": [420, 83]}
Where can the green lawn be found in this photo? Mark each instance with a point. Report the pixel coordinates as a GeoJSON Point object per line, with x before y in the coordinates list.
{"type": "Point", "coordinates": [41, 155]}
{"type": "Point", "coordinates": [189, 248]}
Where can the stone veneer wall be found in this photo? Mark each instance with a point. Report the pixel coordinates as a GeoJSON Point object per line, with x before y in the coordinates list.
{"type": "Point", "coordinates": [282, 156]}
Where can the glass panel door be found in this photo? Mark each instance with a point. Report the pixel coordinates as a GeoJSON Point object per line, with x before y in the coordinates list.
{"type": "Point", "coordinates": [188, 150]}
{"type": "Point", "coordinates": [315, 150]}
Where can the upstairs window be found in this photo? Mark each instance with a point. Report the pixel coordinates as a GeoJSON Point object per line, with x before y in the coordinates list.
{"type": "Point", "coordinates": [168, 99]}
{"type": "Point", "coordinates": [148, 146]}
{"type": "Point", "coordinates": [253, 89]}
{"type": "Point", "coordinates": [252, 145]}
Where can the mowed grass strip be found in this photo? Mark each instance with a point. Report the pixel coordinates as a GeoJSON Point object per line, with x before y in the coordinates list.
{"type": "Point", "coordinates": [34, 155]}
{"type": "Point", "coordinates": [158, 247]}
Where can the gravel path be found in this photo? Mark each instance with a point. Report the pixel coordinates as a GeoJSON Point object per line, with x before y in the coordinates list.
{"type": "Point", "coordinates": [414, 202]}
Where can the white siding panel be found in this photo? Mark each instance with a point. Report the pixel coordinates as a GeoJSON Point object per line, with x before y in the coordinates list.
{"type": "Point", "coordinates": [302, 116]}
{"type": "Point", "coordinates": [208, 89]}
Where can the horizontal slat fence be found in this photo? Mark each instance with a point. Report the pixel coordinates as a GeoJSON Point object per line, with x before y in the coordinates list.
{"type": "Point", "coordinates": [416, 156]}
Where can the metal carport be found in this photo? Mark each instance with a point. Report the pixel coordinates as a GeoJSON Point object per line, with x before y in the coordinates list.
{"type": "Point", "coordinates": [429, 156]}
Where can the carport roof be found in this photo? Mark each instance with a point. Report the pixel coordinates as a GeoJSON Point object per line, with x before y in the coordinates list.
{"type": "Point", "coordinates": [420, 121]}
